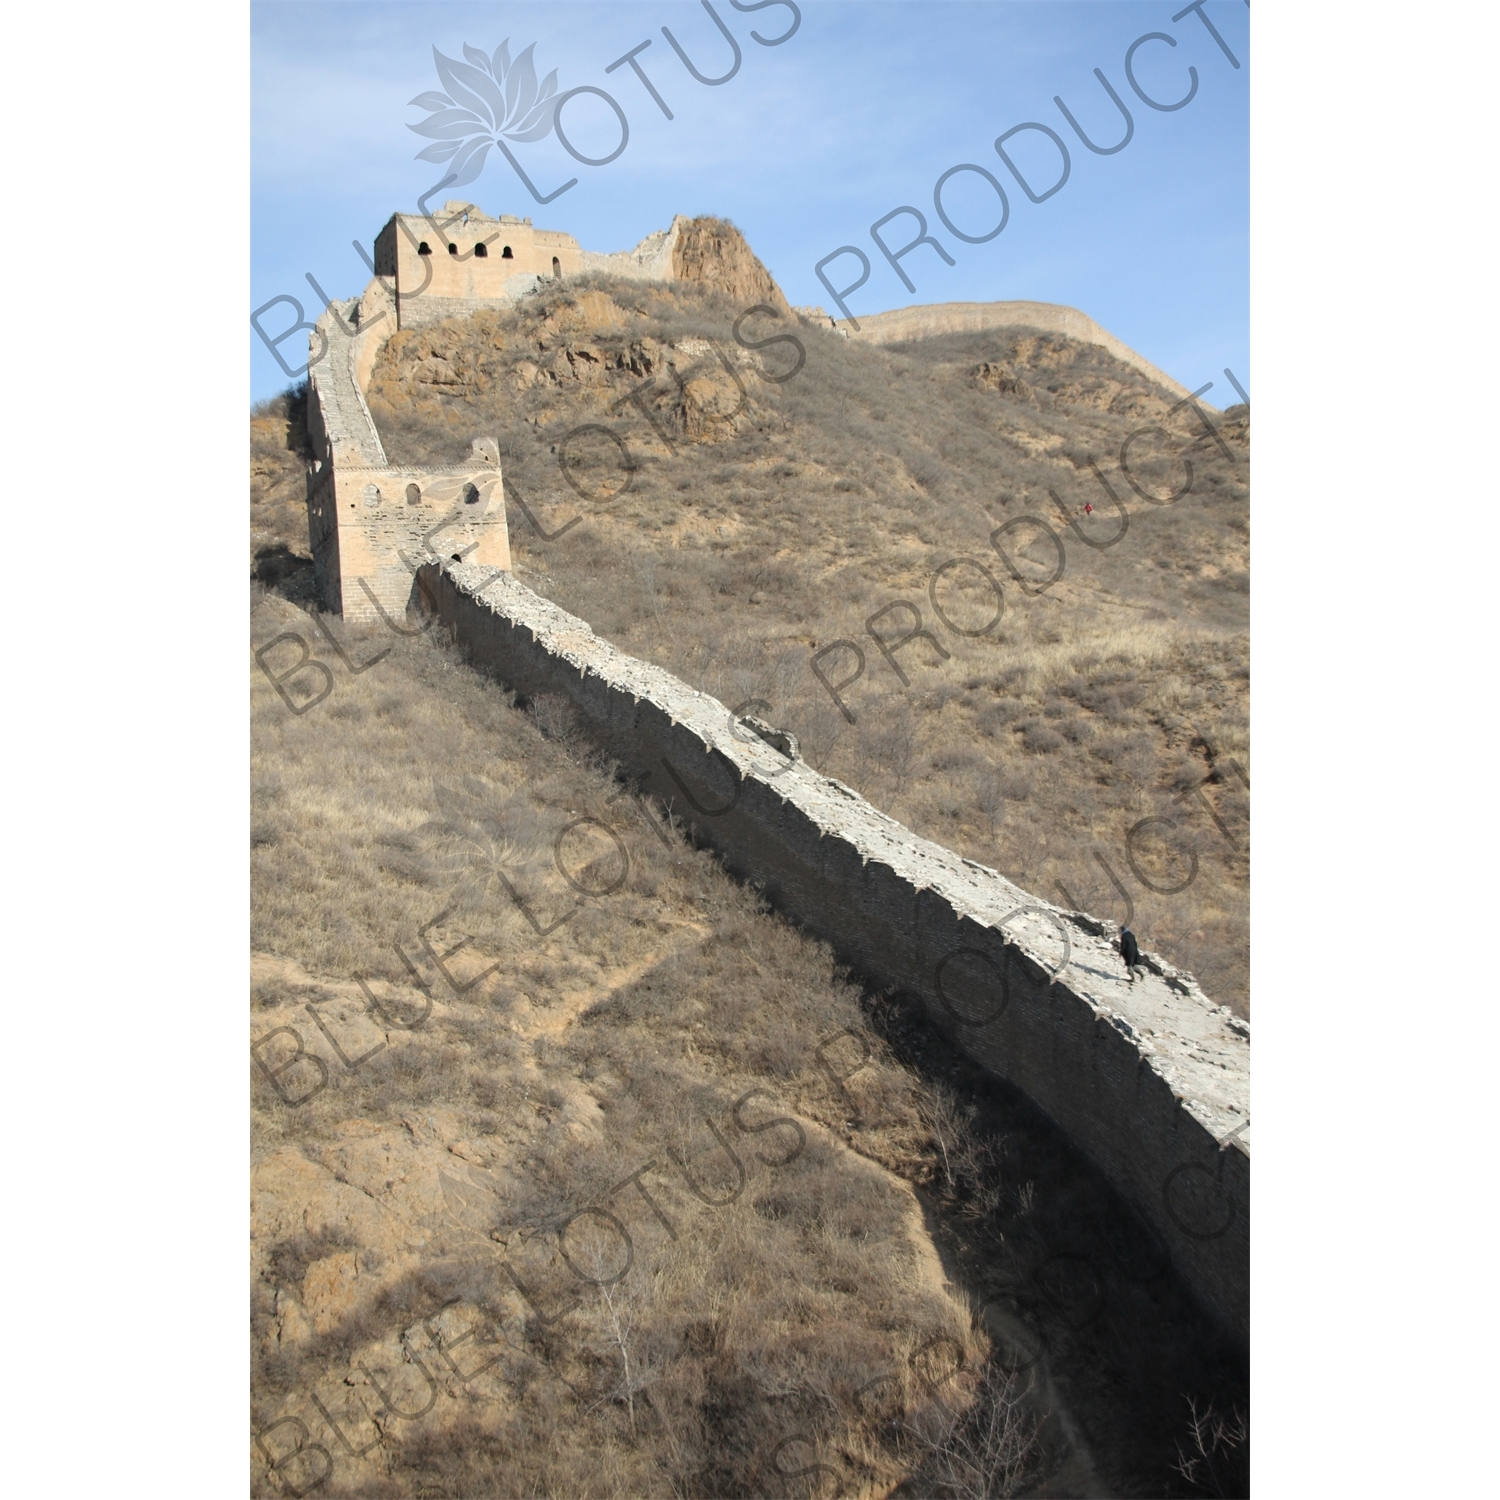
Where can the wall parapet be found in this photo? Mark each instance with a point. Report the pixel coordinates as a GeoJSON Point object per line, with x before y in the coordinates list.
{"type": "Point", "coordinates": [1150, 1081]}
{"type": "Point", "coordinates": [934, 319]}
{"type": "Point", "coordinates": [372, 523]}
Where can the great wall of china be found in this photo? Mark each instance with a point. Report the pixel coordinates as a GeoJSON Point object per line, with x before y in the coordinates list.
{"type": "Point", "coordinates": [934, 319]}
{"type": "Point", "coordinates": [1150, 1081]}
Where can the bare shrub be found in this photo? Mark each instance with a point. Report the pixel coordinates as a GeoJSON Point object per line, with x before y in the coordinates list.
{"type": "Point", "coordinates": [1215, 1460]}
{"type": "Point", "coordinates": [989, 1450]}
{"type": "Point", "coordinates": [990, 799]}
{"type": "Point", "coordinates": [558, 720]}
{"type": "Point", "coordinates": [595, 1255]}
{"type": "Point", "coordinates": [968, 1168]}
{"type": "Point", "coordinates": [1039, 738]}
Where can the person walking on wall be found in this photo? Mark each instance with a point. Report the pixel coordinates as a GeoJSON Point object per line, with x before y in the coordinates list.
{"type": "Point", "coordinates": [1131, 953]}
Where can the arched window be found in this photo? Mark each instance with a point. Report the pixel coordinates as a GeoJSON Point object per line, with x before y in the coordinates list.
{"type": "Point", "coordinates": [452, 249]}
{"type": "Point", "coordinates": [506, 255]}
{"type": "Point", "coordinates": [557, 268]}
{"type": "Point", "coordinates": [424, 248]}
{"type": "Point", "coordinates": [413, 495]}
{"type": "Point", "coordinates": [480, 252]}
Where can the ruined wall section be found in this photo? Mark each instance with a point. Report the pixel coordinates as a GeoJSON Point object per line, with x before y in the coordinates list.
{"type": "Point", "coordinates": [1151, 1082]}
{"type": "Point", "coordinates": [710, 252]}
{"type": "Point", "coordinates": [372, 525]}
{"type": "Point", "coordinates": [934, 319]}
{"type": "Point", "coordinates": [651, 260]}
{"type": "Point", "coordinates": [436, 286]}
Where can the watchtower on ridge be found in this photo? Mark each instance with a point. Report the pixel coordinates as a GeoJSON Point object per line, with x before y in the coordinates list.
{"type": "Point", "coordinates": [451, 262]}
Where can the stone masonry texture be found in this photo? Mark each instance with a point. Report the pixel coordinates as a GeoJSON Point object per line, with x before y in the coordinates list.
{"type": "Point", "coordinates": [1151, 1081]}
{"type": "Point", "coordinates": [372, 525]}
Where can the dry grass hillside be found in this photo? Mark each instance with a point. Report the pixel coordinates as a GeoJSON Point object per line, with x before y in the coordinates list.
{"type": "Point", "coordinates": [731, 512]}
{"type": "Point", "coordinates": [280, 553]}
{"type": "Point", "coordinates": [814, 1251]}
{"type": "Point", "coordinates": [576, 1171]}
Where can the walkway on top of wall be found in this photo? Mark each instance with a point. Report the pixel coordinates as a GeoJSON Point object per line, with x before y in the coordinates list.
{"type": "Point", "coordinates": [352, 435]}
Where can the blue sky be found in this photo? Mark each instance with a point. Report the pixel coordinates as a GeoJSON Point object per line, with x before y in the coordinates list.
{"type": "Point", "coordinates": [812, 141]}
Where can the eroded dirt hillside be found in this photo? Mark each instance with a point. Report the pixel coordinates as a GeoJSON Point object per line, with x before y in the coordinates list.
{"type": "Point", "coordinates": [847, 1262]}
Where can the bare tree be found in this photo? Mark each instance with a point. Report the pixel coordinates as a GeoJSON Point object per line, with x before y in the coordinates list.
{"type": "Point", "coordinates": [993, 1449]}
{"type": "Point", "coordinates": [950, 1126]}
{"type": "Point", "coordinates": [595, 1255]}
{"type": "Point", "coordinates": [1215, 1460]}
{"type": "Point", "coordinates": [819, 727]}
{"type": "Point", "coordinates": [968, 1158]}
{"type": "Point", "coordinates": [990, 800]}
{"type": "Point", "coordinates": [893, 742]}
{"type": "Point", "coordinates": [644, 562]}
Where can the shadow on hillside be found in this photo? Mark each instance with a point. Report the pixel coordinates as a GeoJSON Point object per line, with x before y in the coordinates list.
{"type": "Point", "coordinates": [1078, 1292]}
{"type": "Point", "coordinates": [283, 572]}
{"type": "Point", "coordinates": [279, 456]}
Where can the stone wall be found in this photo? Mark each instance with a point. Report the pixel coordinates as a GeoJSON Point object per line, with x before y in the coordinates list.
{"type": "Point", "coordinates": [493, 261]}
{"type": "Point", "coordinates": [372, 525]}
{"type": "Point", "coordinates": [464, 258]}
{"type": "Point", "coordinates": [934, 319]}
{"type": "Point", "coordinates": [1150, 1081]}
{"type": "Point", "coordinates": [478, 274]}
{"type": "Point", "coordinates": [423, 312]}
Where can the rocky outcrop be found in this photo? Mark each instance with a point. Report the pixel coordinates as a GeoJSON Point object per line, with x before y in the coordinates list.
{"type": "Point", "coordinates": [714, 253]}
{"type": "Point", "coordinates": [709, 251]}
{"type": "Point", "coordinates": [990, 377]}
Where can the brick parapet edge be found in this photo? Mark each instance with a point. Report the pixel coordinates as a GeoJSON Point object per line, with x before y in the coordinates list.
{"type": "Point", "coordinates": [367, 516]}
{"type": "Point", "coordinates": [1151, 1082]}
